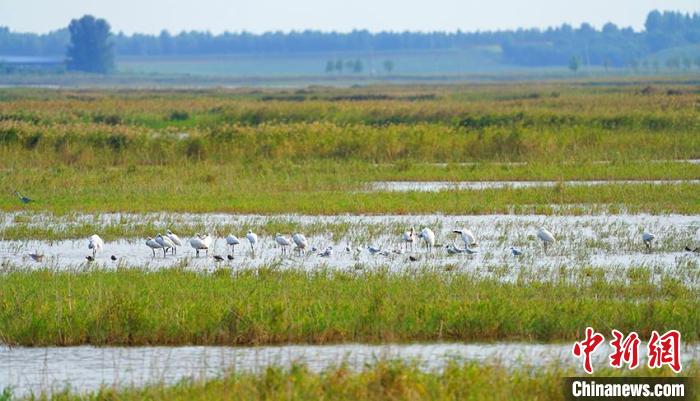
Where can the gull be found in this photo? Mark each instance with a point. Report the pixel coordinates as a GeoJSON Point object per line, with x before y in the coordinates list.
{"type": "Point", "coordinates": [282, 241]}
{"type": "Point", "coordinates": [648, 238]}
{"type": "Point", "coordinates": [429, 237]}
{"type": "Point", "coordinates": [252, 239]}
{"type": "Point", "coordinates": [95, 243]}
{"type": "Point", "coordinates": [515, 251]}
{"type": "Point", "coordinates": [327, 253]}
{"type": "Point", "coordinates": [36, 256]}
{"type": "Point", "coordinates": [545, 236]}
{"type": "Point", "coordinates": [197, 242]}
{"type": "Point", "coordinates": [175, 240]}
{"type": "Point", "coordinates": [467, 237]}
{"type": "Point", "coordinates": [153, 244]}
{"type": "Point", "coordinates": [409, 237]}
{"type": "Point", "coordinates": [300, 241]}
{"type": "Point", "coordinates": [232, 240]}
{"type": "Point", "coordinates": [165, 243]}
{"type": "Point", "coordinates": [23, 199]}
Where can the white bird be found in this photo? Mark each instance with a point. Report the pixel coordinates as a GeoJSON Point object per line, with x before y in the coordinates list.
{"type": "Point", "coordinates": [206, 238]}
{"type": "Point", "coordinates": [327, 253]}
{"type": "Point", "coordinates": [153, 244]}
{"type": "Point", "coordinates": [300, 241]}
{"type": "Point", "coordinates": [374, 249]}
{"type": "Point", "coordinates": [429, 237]}
{"type": "Point", "coordinates": [165, 243]}
{"type": "Point", "coordinates": [515, 251]}
{"type": "Point", "coordinates": [232, 240]}
{"type": "Point", "coordinates": [252, 239]}
{"type": "Point", "coordinates": [197, 242]}
{"type": "Point", "coordinates": [409, 237]}
{"type": "Point", "coordinates": [95, 243]}
{"type": "Point", "coordinates": [282, 241]}
{"type": "Point", "coordinates": [175, 239]}
{"type": "Point", "coordinates": [467, 237]}
{"type": "Point", "coordinates": [545, 236]}
{"type": "Point", "coordinates": [648, 238]}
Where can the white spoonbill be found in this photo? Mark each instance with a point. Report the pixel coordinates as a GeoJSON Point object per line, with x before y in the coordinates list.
{"type": "Point", "coordinates": [648, 238]}
{"type": "Point", "coordinates": [545, 236]}
{"type": "Point", "coordinates": [153, 244]}
{"type": "Point", "coordinates": [467, 237]}
{"type": "Point", "coordinates": [429, 237]}
{"type": "Point", "coordinates": [197, 242]}
{"type": "Point", "coordinates": [253, 239]}
{"type": "Point", "coordinates": [300, 241]}
{"type": "Point", "coordinates": [206, 238]}
{"type": "Point", "coordinates": [409, 237]}
{"type": "Point", "coordinates": [165, 243]}
{"type": "Point", "coordinates": [282, 241]}
{"type": "Point", "coordinates": [175, 240]}
{"type": "Point", "coordinates": [232, 241]}
{"type": "Point", "coordinates": [95, 243]}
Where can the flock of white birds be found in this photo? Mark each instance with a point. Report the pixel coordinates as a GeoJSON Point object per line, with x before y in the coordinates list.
{"type": "Point", "coordinates": [202, 242]}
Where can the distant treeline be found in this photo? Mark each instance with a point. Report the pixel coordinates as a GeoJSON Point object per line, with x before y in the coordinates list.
{"type": "Point", "coordinates": [612, 45]}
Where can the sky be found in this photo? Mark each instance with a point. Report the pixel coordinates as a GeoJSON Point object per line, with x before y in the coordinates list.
{"type": "Point", "coordinates": [216, 16]}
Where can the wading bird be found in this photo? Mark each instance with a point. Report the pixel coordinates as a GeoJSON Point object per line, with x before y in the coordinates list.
{"type": "Point", "coordinates": [23, 199]}
{"type": "Point", "coordinates": [467, 237]}
{"type": "Point", "coordinates": [452, 250]}
{"type": "Point", "coordinates": [300, 241]}
{"type": "Point", "coordinates": [153, 244]}
{"type": "Point", "coordinates": [175, 240]}
{"type": "Point", "coordinates": [90, 258]}
{"type": "Point", "coordinates": [515, 251]}
{"type": "Point", "coordinates": [648, 238]}
{"type": "Point", "coordinates": [165, 243]}
{"type": "Point", "coordinates": [689, 249]}
{"type": "Point", "coordinates": [409, 237]}
{"type": "Point", "coordinates": [282, 241]}
{"type": "Point", "coordinates": [218, 258]}
{"type": "Point", "coordinates": [373, 249]}
{"type": "Point", "coordinates": [252, 239]}
{"type": "Point", "coordinates": [414, 258]}
{"type": "Point", "coordinates": [232, 241]}
{"type": "Point", "coordinates": [36, 256]}
{"type": "Point", "coordinates": [230, 257]}
{"type": "Point", "coordinates": [429, 237]}
{"type": "Point", "coordinates": [545, 236]}
{"type": "Point", "coordinates": [327, 253]}
{"type": "Point", "coordinates": [95, 243]}
{"type": "Point", "coordinates": [197, 242]}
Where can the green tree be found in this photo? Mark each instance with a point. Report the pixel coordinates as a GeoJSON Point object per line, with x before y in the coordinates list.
{"type": "Point", "coordinates": [330, 66]}
{"type": "Point", "coordinates": [357, 66]}
{"type": "Point", "coordinates": [574, 63]}
{"type": "Point", "coordinates": [339, 65]}
{"type": "Point", "coordinates": [388, 66]}
{"type": "Point", "coordinates": [90, 47]}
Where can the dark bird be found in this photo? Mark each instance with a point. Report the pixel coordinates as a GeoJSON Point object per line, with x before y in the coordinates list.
{"type": "Point", "coordinates": [688, 249]}
{"type": "Point", "coordinates": [23, 199]}
{"type": "Point", "coordinates": [37, 257]}
{"type": "Point", "coordinates": [413, 258]}
{"type": "Point", "coordinates": [218, 258]}
{"type": "Point", "coordinates": [230, 257]}
{"type": "Point", "coordinates": [90, 258]}
{"type": "Point", "coordinates": [114, 258]}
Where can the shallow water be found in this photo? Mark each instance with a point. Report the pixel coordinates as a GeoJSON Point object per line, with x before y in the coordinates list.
{"type": "Point", "coordinates": [86, 368]}
{"type": "Point", "coordinates": [436, 186]}
{"type": "Point", "coordinates": [606, 241]}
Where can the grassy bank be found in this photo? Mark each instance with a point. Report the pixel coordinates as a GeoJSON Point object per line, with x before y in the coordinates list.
{"type": "Point", "coordinates": [268, 306]}
{"type": "Point", "coordinates": [381, 381]}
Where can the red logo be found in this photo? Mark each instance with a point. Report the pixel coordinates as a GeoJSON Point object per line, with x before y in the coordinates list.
{"type": "Point", "coordinates": [665, 350]}
{"type": "Point", "coordinates": [626, 350]}
{"type": "Point", "coordinates": [586, 347]}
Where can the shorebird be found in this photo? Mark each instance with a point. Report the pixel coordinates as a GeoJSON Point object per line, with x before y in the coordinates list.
{"type": "Point", "coordinates": [95, 243]}
{"type": "Point", "coordinates": [409, 237]}
{"type": "Point", "coordinates": [648, 238]}
{"type": "Point", "coordinates": [36, 256]}
{"type": "Point", "coordinates": [230, 257]}
{"type": "Point", "coordinates": [114, 258]}
{"type": "Point", "coordinates": [175, 240]}
{"type": "Point", "coordinates": [451, 249]}
{"type": "Point", "coordinates": [327, 253]}
{"type": "Point", "coordinates": [545, 236]}
{"type": "Point", "coordinates": [218, 258]}
{"type": "Point", "coordinates": [373, 249]}
{"type": "Point", "coordinates": [300, 241]}
{"type": "Point", "coordinates": [689, 249]}
{"type": "Point", "coordinates": [413, 258]}
{"type": "Point", "coordinates": [90, 258]}
{"type": "Point", "coordinates": [232, 241]}
{"type": "Point", "coordinates": [282, 241]}
{"type": "Point", "coordinates": [467, 237]}
{"type": "Point", "coordinates": [23, 199]}
{"type": "Point", "coordinates": [153, 244]}
{"type": "Point", "coordinates": [515, 251]}
{"type": "Point", "coordinates": [165, 243]}
{"type": "Point", "coordinates": [252, 239]}
{"type": "Point", "coordinates": [429, 237]}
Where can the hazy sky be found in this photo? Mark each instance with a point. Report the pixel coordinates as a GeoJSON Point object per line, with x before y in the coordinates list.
{"type": "Point", "coordinates": [150, 16]}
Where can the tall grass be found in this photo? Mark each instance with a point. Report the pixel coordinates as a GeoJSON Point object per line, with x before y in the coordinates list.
{"type": "Point", "coordinates": [270, 306]}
